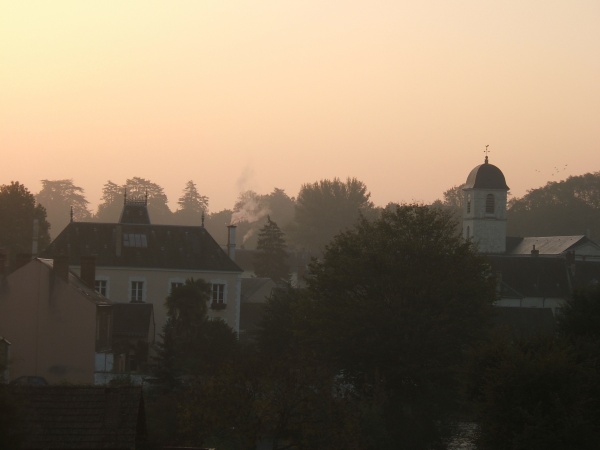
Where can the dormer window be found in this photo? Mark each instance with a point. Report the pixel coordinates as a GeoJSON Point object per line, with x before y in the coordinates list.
{"type": "Point", "coordinates": [490, 204]}
{"type": "Point", "coordinates": [135, 240]}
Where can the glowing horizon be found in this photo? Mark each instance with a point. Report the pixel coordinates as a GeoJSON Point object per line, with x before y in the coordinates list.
{"type": "Point", "coordinates": [238, 96]}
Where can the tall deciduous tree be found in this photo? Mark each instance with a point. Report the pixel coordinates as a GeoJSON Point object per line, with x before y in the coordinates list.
{"type": "Point", "coordinates": [193, 344]}
{"type": "Point", "coordinates": [109, 210]}
{"type": "Point", "coordinates": [192, 206]}
{"type": "Point", "coordinates": [18, 210]}
{"type": "Point", "coordinates": [568, 207]}
{"type": "Point", "coordinates": [396, 303]}
{"type": "Point", "coordinates": [271, 255]}
{"type": "Point", "coordinates": [325, 208]}
{"type": "Point", "coordinates": [58, 197]}
{"type": "Point", "coordinates": [158, 207]}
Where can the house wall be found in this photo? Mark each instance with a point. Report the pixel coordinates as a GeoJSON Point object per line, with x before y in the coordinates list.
{"type": "Point", "coordinates": [157, 285]}
{"type": "Point", "coordinates": [487, 230]}
{"type": "Point", "coordinates": [51, 326]}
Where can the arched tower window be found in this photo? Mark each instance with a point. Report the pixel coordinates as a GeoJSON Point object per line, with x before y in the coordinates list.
{"type": "Point", "coordinates": [468, 203]}
{"type": "Point", "coordinates": [490, 204]}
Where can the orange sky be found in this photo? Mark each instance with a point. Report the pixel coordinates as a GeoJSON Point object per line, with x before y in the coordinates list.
{"type": "Point", "coordinates": [239, 95]}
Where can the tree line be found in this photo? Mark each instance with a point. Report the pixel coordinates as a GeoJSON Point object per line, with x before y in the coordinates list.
{"type": "Point", "coordinates": [392, 344]}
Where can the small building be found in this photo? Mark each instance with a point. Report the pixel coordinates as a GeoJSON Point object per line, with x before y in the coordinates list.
{"type": "Point", "coordinates": [57, 325]}
{"type": "Point", "coordinates": [532, 272]}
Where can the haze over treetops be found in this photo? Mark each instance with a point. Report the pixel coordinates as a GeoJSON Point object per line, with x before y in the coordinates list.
{"type": "Point", "coordinates": [235, 95]}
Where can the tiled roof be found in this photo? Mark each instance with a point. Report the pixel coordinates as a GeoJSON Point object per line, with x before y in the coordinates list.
{"type": "Point", "coordinates": [142, 246]}
{"type": "Point", "coordinates": [78, 284]}
{"type": "Point", "coordinates": [80, 417]}
{"type": "Point", "coordinates": [131, 319]}
{"type": "Point", "coordinates": [546, 245]}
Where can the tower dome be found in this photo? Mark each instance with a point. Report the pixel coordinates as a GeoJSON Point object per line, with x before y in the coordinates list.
{"type": "Point", "coordinates": [484, 213]}
{"type": "Point", "coordinates": [486, 176]}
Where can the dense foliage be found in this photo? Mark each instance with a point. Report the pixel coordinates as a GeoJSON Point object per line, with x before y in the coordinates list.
{"type": "Point", "coordinates": [271, 256]}
{"type": "Point", "coordinates": [568, 207]}
{"type": "Point", "coordinates": [18, 210]}
{"type": "Point", "coordinates": [326, 207]}
{"type": "Point", "coordinates": [396, 302]}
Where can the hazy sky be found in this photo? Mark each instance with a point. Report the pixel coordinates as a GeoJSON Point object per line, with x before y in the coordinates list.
{"type": "Point", "coordinates": [237, 95]}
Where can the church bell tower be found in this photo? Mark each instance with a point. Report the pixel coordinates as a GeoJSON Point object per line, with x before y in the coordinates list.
{"type": "Point", "coordinates": [484, 210]}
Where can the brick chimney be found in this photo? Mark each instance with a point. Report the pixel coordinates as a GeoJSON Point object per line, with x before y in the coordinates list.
{"type": "Point", "coordinates": [231, 241]}
{"type": "Point", "coordinates": [61, 268]}
{"type": "Point", "coordinates": [88, 271]}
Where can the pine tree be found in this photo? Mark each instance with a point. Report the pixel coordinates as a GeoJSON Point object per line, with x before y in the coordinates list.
{"type": "Point", "coordinates": [191, 205]}
{"type": "Point", "coordinates": [270, 260]}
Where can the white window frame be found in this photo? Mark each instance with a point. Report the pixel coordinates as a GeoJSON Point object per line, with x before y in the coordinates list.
{"type": "Point", "coordinates": [106, 280]}
{"type": "Point", "coordinates": [144, 289]}
{"type": "Point", "coordinates": [218, 283]}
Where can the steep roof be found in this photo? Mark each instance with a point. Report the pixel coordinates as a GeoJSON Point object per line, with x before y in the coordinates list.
{"type": "Point", "coordinates": [486, 176]}
{"type": "Point", "coordinates": [142, 246]}
{"type": "Point", "coordinates": [546, 245]}
{"type": "Point", "coordinates": [80, 417]}
{"type": "Point", "coordinates": [77, 283]}
{"type": "Point", "coordinates": [135, 211]}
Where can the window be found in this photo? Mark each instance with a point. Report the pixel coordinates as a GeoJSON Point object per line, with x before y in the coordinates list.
{"type": "Point", "coordinates": [490, 204]}
{"type": "Point", "coordinates": [101, 287]}
{"type": "Point", "coordinates": [135, 240]}
{"type": "Point", "coordinates": [174, 285]}
{"type": "Point", "coordinates": [218, 296]}
{"type": "Point", "coordinates": [136, 291]}
{"type": "Point", "coordinates": [468, 203]}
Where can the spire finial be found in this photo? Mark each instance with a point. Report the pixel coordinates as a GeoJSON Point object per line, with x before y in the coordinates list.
{"type": "Point", "coordinates": [72, 213]}
{"type": "Point", "coordinates": [486, 151]}
{"type": "Point", "coordinates": [203, 218]}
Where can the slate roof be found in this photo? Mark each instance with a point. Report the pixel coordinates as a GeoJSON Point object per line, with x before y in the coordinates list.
{"type": "Point", "coordinates": [486, 176]}
{"type": "Point", "coordinates": [141, 246]}
{"type": "Point", "coordinates": [135, 211]}
{"type": "Point", "coordinates": [532, 276]}
{"type": "Point", "coordinates": [80, 417]}
{"type": "Point", "coordinates": [131, 319]}
{"type": "Point", "coordinates": [77, 283]}
{"type": "Point", "coordinates": [546, 245]}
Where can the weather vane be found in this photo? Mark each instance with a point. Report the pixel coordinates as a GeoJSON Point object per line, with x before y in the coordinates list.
{"type": "Point", "coordinates": [486, 151]}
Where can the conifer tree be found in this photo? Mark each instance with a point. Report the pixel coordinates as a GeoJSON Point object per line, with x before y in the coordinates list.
{"type": "Point", "coordinates": [271, 254]}
{"type": "Point", "coordinates": [191, 205]}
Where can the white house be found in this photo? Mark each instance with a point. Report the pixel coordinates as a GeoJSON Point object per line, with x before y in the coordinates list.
{"type": "Point", "coordinates": [139, 262]}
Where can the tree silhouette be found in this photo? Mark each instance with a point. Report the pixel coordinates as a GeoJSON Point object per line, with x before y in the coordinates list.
{"type": "Point", "coordinates": [192, 206]}
{"type": "Point", "coordinates": [325, 208]}
{"type": "Point", "coordinates": [271, 255]}
{"type": "Point", "coordinates": [109, 210]}
{"type": "Point", "coordinates": [18, 210]}
{"type": "Point", "coordinates": [58, 197]}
